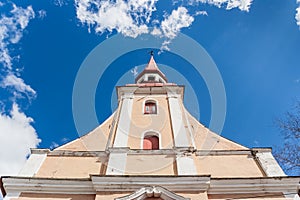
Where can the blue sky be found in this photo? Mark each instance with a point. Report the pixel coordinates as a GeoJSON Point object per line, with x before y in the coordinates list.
{"type": "Point", "coordinates": [254, 44]}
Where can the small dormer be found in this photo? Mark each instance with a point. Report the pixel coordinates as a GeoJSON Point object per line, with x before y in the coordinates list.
{"type": "Point", "coordinates": [151, 74]}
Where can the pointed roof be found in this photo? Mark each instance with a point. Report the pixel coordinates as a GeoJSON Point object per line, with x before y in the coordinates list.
{"type": "Point", "coordinates": [151, 64]}
{"type": "Point", "coordinates": [151, 68]}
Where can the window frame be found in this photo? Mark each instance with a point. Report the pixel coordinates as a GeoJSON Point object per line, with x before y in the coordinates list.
{"type": "Point", "coordinates": [148, 112]}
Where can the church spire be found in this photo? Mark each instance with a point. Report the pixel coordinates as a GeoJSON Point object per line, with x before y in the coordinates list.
{"type": "Point", "coordinates": [151, 73]}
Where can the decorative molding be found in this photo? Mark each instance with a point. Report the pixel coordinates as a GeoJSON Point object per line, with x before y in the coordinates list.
{"type": "Point", "coordinates": [155, 191]}
{"type": "Point", "coordinates": [262, 149]}
{"type": "Point", "coordinates": [254, 185]}
{"type": "Point", "coordinates": [284, 185]}
{"type": "Point", "coordinates": [39, 151]}
{"type": "Point", "coordinates": [47, 185]}
{"type": "Point", "coordinates": [118, 150]}
{"type": "Point", "coordinates": [174, 151]}
{"type": "Point", "coordinates": [154, 90]}
{"type": "Point", "coordinates": [67, 153]}
{"type": "Point", "coordinates": [125, 92]}
{"type": "Point", "coordinates": [223, 152]}
{"type": "Point", "coordinates": [133, 183]}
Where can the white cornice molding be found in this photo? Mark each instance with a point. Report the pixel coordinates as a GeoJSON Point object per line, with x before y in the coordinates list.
{"type": "Point", "coordinates": [39, 151]}
{"type": "Point", "coordinates": [261, 149]}
{"type": "Point", "coordinates": [254, 185]}
{"type": "Point", "coordinates": [47, 185]}
{"type": "Point", "coordinates": [156, 90]}
{"type": "Point", "coordinates": [67, 153]}
{"type": "Point", "coordinates": [174, 151]}
{"type": "Point", "coordinates": [134, 183]}
{"type": "Point", "coordinates": [223, 152]}
{"type": "Point", "coordinates": [126, 92]}
{"type": "Point", "coordinates": [178, 150]}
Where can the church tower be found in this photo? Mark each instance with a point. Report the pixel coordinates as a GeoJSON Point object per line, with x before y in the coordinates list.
{"type": "Point", "coordinates": [151, 148]}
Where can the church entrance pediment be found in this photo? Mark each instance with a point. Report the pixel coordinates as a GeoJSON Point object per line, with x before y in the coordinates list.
{"type": "Point", "coordinates": [153, 193]}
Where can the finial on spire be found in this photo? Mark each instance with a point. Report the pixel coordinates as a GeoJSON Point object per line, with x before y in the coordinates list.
{"type": "Point", "coordinates": [151, 52]}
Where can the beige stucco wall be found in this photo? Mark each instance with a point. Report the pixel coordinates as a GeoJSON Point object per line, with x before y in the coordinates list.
{"type": "Point", "coordinates": [208, 140]}
{"type": "Point", "coordinates": [150, 165]}
{"type": "Point", "coordinates": [110, 195]}
{"type": "Point", "coordinates": [95, 140]}
{"type": "Point", "coordinates": [227, 166]}
{"type": "Point", "coordinates": [141, 123]}
{"type": "Point", "coordinates": [69, 167]}
{"type": "Point", "coordinates": [40, 196]}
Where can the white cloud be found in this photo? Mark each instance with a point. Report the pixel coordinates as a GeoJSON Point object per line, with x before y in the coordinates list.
{"type": "Point", "coordinates": [297, 17]}
{"type": "Point", "coordinates": [134, 71]}
{"type": "Point", "coordinates": [134, 17]}
{"type": "Point", "coordinates": [243, 5]}
{"type": "Point", "coordinates": [201, 12]}
{"type": "Point", "coordinates": [127, 17]}
{"type": "Point", "coordinates": [17, 137]}
{"type": "Point", "coordinates": [42, 14]}
{"type": "Point", "coordinates": [156, 31]}
{"type": "Point", "coordinates": [18, 84]}
{"type": "Point", "coordinates": [173, 23]}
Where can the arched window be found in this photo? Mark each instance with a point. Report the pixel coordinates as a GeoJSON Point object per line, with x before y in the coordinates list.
{"type": "Point", "coordinates": [150, 107]}
{"type": "Point", "coordinates": [151, 142]}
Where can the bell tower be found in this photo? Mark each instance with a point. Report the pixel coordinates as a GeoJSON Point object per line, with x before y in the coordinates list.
{"type": "Point", "coordinates": [151, 116]}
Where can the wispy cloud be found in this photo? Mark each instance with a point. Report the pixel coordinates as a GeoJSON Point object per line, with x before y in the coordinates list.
{"type": "Point", "coordinates": [42, 14]}
{"type": "Point", "coordinates": [11, 30]}
{"type": "Point", "coordinates": [134, 71]}
{"type": "Point", "coordinates": [18, 84]}
{"type": "Point", "coordinates": [60, 3]}
{"type": "Point", "coordinates": [53, 145]}
{"type": "Point", "coordinates": [16, 130]}
{"type": "Point", "coordinates": [12, 25]}
{"type": "Point", "coordinates": [243, 5]}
